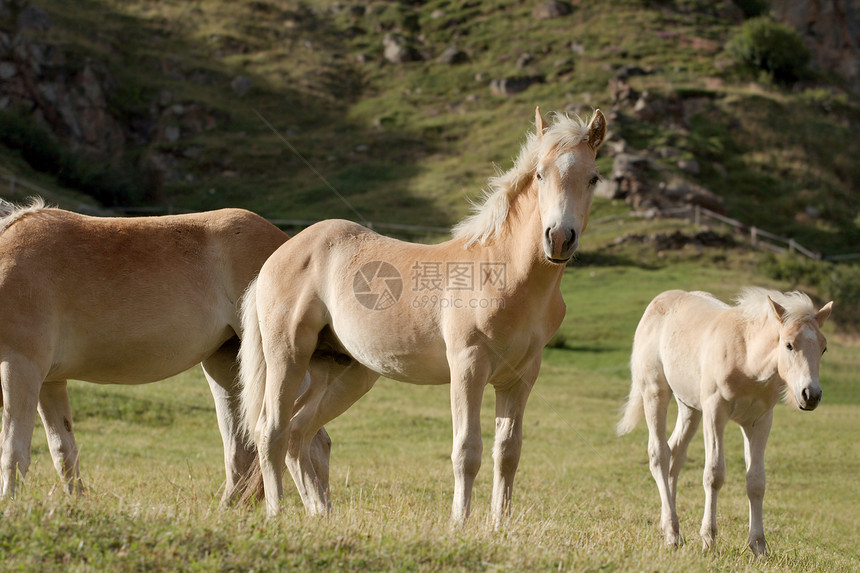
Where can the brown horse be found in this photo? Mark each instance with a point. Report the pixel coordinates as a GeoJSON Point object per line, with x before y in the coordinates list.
{"type": "Point", "coordinates": [121, 301]}
{"type": "Point", "coordinates": [348, 305]}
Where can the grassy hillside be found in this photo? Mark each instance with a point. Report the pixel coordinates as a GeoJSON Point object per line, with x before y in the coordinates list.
{"type": "Point", "coordinates": [410, 142]}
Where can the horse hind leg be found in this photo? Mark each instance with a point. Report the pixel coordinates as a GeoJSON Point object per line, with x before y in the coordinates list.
{"type": "Point", "coordinates": [56, 413]}
{"type": "Point", "coordinates": [331, 387]}
{"type": "Point", "coordinates": [221, 371]}
{"type": "Point", "coordinates": [656, 395]}
{"type": "Point", "coordinates": [685, 428]}
{"type": "Point", "coordinates": [21, 381]}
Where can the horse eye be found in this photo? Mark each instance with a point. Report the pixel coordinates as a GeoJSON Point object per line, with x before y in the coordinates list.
{"type": "Point", "coordinates": [789, 346]}
{"type": "Point", "coordinates": [593, 181]}
{"type": "Point", "coordinates": [539, 176]}
{"type": "Point", "coordinates": [825, 350]}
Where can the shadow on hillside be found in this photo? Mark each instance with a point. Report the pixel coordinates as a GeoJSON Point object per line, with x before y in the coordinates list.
{"type": "Point", "coordinates": [278, 141]}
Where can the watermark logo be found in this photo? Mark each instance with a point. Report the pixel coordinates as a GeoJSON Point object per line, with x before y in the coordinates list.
{"type": "Point", "coordinates": [377, 285]}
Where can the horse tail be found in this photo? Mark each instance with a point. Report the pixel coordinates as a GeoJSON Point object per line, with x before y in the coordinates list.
{"type": "Point", "coordinates": [635, 407]}
{"type": "Point", "coordinates": [633, 411]}
{"type": "Point", "coordinates": [252, 363]}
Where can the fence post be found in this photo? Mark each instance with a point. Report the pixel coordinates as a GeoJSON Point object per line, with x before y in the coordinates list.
{"type": "Point", "coordinates": [754, 236]}
{"type": "Point", "coordinates": [792, 246]}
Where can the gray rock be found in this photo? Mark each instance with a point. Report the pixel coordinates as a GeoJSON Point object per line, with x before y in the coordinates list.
{"type": "Point", "coordinates": [172, 133]}
{"type": "Point", "coordinates": [513, 85]}
{"type": "Point", "coordinates": [7, 70]}
{"type": "Point", "coordinates": [452, 55]}
{"type": "Point", "coordinates": [524, 60]}
{"type": "Point", "coordinates": [678, 190]}
{"type": "Point", "coordinates": [551, 9]}
{"type": "Point", "coordinates": [690, 166]}
{"type": "Point", "coordinates": [396, 49]}
{"type": "Point", "coordinates": [240, 85]}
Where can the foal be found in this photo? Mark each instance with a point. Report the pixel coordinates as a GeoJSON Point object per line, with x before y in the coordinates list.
{"type": "Point", "coordinates": [722, 363]}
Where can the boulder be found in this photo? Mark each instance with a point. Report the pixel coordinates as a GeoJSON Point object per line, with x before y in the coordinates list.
{"type": "Point", "coordinates": [551, 9]}
{"type": "Point", "coordinates": [513, 85]}
{"type": "Point", "coordinates": [396, 49]}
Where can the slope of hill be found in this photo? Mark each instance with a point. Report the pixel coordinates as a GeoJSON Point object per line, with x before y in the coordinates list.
{"type": "Point", "coordinates": [397, 112]}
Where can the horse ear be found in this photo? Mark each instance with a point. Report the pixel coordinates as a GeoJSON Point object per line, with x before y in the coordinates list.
{"type": "Point", "coordinates": [822, 315]}
{"type": "Point", "coordinates": [540, 122]}
{"type": "Point", "coordinates": [596, 130]}
{"type": "Point", "coordinates": [777, 308]}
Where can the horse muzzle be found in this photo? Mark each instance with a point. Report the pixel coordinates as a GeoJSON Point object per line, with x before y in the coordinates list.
{"type": "Point", "coordinates": [808, 398]}
{"type": "Point", "coordinates": [559, 243]}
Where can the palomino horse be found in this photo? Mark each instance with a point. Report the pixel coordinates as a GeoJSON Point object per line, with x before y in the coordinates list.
{"type": "Point", "coordinates": [722, 363]}
{"type": "Point", "coordinates": [124, 301]}
{"type": "Point", "coordinates": [347, 305]}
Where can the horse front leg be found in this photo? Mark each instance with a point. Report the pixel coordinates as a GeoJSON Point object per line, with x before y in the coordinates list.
{"type": "Point", "coordinates": [468, 379]}
{"type": "Point", "coordinates": [510, 407]}
{"type": "Point", "coordinates": [56, 412]}
{"type": "Point", "coordinates": [21, 381]}
{"type": "Point", "coordinates": [715, 467]}
{"type": "Point", "coordinates": [755, 440]}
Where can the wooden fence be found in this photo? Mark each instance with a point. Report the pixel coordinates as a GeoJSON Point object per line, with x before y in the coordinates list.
{"type": "Point", "coordinates": [758, 238]}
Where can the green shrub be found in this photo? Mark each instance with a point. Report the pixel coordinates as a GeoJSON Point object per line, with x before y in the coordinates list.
{"type": "Point", "coordinates": [842, 286]}
{"type": "Point", "coordinates": [763, 44]}
{"type": "Point", "coordinates": [794, 269]}
{"type": "Point", "coordinates": [110, 185]}
{"type": "Point", "coordinates": [35, 144]}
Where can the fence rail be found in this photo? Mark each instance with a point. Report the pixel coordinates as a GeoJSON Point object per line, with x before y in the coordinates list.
{"type": "Point", "coordinates": [759, 238]}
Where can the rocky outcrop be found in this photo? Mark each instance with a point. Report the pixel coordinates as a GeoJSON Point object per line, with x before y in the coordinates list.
{"type": "Point", "coordinates": [70, 96]}
{"type": "Point", "coordinates": [831, 29]}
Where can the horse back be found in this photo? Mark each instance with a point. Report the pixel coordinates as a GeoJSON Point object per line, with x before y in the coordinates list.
{"type": "Point", "coordinates": [677, 331]}
{"type": "Point", "coordinates": [152, 294]}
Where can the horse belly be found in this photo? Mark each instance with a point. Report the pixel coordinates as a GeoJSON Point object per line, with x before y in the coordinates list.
{"type": "Point", "coordinates": [397, 355]}
{"type": "Point", "coordinates": [140, 352]}
{"type": "Point", "coordinates": [680, 363]}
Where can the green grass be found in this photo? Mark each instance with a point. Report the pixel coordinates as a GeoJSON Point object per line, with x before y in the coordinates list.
{"type": "Point", "coordinates": [584, 499]}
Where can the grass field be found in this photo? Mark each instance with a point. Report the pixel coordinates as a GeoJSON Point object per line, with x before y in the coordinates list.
{"type": "Point", "coordinates": [584, 499]}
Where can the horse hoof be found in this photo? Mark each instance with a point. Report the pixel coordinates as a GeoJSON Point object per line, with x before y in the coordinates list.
{"type": "Point", "coordinates": [759, 547]}
{"type": "Point", "coordinates": [673, 540]}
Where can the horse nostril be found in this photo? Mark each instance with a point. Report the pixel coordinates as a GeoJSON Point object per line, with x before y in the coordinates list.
{"type": "Point", "coordinates": [546, 234]}
{"type": "Point", "coordinates": [571, 239]}
{"type": "Point", "coordinates": [811, 396]}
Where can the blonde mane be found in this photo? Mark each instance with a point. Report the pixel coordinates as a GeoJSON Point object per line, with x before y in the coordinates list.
{"type": "Point", "coordinates": [752, 301]}
{"type": "Point", "coordinates": [489, 215]}
{"type": "Point", "coordinates": [9, 212]}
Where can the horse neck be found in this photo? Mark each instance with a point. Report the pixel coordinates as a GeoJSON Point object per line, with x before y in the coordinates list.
{"type": "Point", "coordinates": [520, 243]}
{"type": "Point", "coordinates": [761, 340]}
